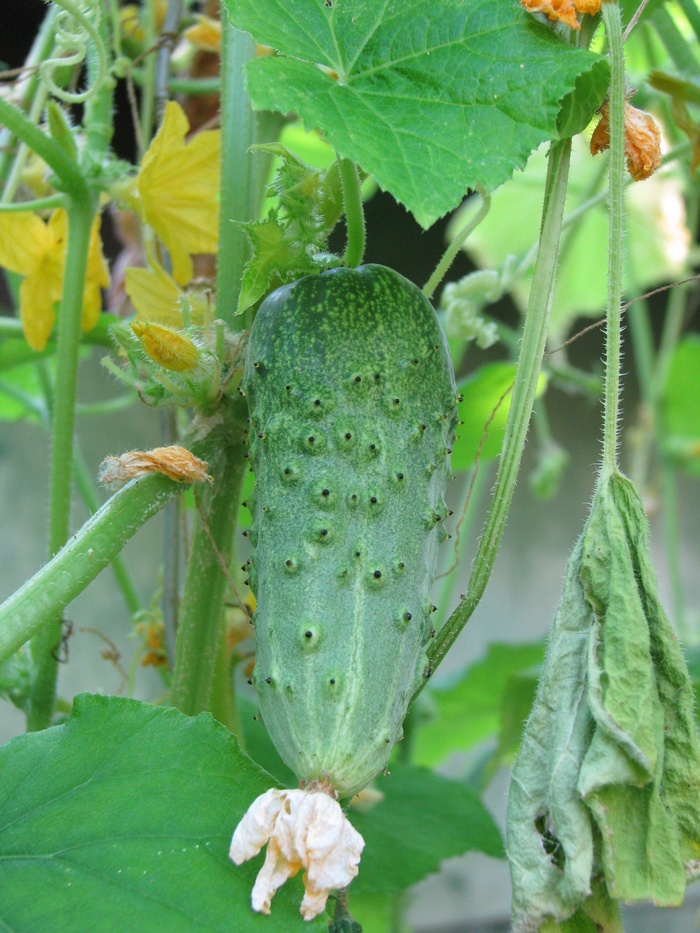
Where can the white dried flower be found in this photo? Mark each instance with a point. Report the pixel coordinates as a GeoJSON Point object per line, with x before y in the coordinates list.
{"type": "Point", "coordinates": [302, 829]}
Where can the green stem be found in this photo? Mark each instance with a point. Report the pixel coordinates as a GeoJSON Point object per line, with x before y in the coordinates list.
{"type": "Point", "coordinates": [168, 36]}
{"type": "Point", "coordinates": [89, 551]}
{"type": "Point", "coordinates": [616, 209]}
{"type": "Point", "coordinates": [238, 194]}
{"type": "Point", "coordinates": [531, 353]}
{"type": "Point", "coordinates": [201, 631]}
{"type": "Point", "coordinates": [39, 204]}
{"type": "Point", "coordinates": [354, 213]}
{"type": "Point", "coordinates": [86, 488]}
{"type": "Point", "coordinates": [98, 336]}
{"type": "Point", "coordinates": [473, 490]}
{"type": "Point", "coordinates": [80, 217]}
{"type": "Point", "coordinates": [49, 150]}
{"type": "Point", "coordinates": [456, 245]}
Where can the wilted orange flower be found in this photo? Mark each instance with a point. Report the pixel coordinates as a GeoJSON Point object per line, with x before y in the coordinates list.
{"type": "Point", "coordinates": [563, 11]}
{"type": "Point", "coordinates": [176, 462]}
{"type": "Point", "coordinates": [642, 140]}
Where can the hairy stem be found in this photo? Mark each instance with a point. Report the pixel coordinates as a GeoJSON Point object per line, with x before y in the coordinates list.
{"type": "Point", "coordinates": [201, 630]}
{"type": "Point", "coordinates": [531, 352]}
{"type": "Point", "coordinates": [354, 213]}
{"type": "Point", "coordinates": [89, 551]}
{"type": "Point", "coordinates": [456, 245]}
{"type": "Point", "coordinates": [616, 201]}
{"type": "Point", "coordinates": [238, 177]}
{"type": "Point", "coordinates": [80, 217]}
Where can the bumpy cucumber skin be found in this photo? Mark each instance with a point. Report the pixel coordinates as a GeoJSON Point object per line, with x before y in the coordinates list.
{"type": "Point", "coordinates": [352, 404]}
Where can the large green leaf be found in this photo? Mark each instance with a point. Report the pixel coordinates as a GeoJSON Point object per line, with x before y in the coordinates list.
{"type": "Point", "coordinates": [423, 819]}
{"type": "Point", "coordinates": [430, 98]}
{"type": "Point", "coordinates": [121, 819]}
{"type": "Point", "coordinates": [471, 709]}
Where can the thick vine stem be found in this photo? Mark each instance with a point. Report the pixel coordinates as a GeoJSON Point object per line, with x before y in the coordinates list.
{"type": "Point", "coordinates": [201, 630]}
{"type": "Point", "coordinates": [238, 195]}
{"type": "Point", "coordinates": [616, 199]}
{"type": "Point", "coordinates": [84, 205]}
{"type": "Point", "coordinates": [80, 218]}
{"type": "Point", "coordinates": [531, 352]}
{"type": "Point", "coordinates": [354, 213]}
{"type": "Point", "coordinates": [89, 551]}
{"type": "Point", "coordinates": [69, 174]}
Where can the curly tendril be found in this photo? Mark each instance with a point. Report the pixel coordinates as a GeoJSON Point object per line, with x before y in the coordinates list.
{"type": "Point", "coordinates": [75, 26]}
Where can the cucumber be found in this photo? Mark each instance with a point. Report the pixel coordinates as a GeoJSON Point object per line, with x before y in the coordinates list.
{"type": "Point", "coordinates": [352, 405]}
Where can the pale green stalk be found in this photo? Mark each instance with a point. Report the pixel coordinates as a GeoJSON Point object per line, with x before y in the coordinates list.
{"type": "Point", "coordinates": [456, 245]}
{"type": "Point", "coordinates": [81, 213]}
{"type": "Point", "coordinates": [23, 151]}
{"type": "Point", "coordinates": [51, 202]}
{"type": "Point", "coordinates": [80, 216]}
{"type": "Point", "coordinates": [201, 679]}
{"type": "Point", "coordinates": [89, 551]}
{"type": "Point", "coordinates": [616, 210]}
{"type": "Point", "coordinates": [238, 176]}
{"type": "Point", "coordinates": [354, 213]}
{"type": "Point", "coordinates": [531, 353]}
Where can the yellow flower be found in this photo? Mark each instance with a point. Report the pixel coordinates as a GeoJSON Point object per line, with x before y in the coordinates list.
{"type": "Point", "coordinates": [37, 250]}
{"type": "Point", "coordinates": [177, 190]}
{"type": "Point", "coordinates": [158, 298]}
{"type": "Point", "coordinates": [166, 346]}
{"type": "Point", "coordinates": [205, 34]}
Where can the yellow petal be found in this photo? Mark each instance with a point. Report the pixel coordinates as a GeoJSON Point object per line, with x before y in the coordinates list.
{"type": "Point", "coordinates": [178, 187]}
{"type": "Point", "coordinates": [24, 241]}
{"type": "Point", "coordinates": [154, 294]}
{"type": "Point", "coordinates": [92, 305]}
{"type": "Point", "coordinates": [38, 295]}
{"type": "Point", "coordinates": [205, 35]}
{"type": "Point", "coordinates": [97, 269]}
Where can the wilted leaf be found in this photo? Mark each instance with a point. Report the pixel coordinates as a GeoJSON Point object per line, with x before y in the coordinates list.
{"type": "Point", "coordinates": [606, 787]}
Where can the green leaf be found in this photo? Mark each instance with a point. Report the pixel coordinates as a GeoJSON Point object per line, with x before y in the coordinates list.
{"type": "Point", "coordinates": [656, 236]}
{"type": "Point", "coordinates": [292, 240]}
{"type": "Point", "coordinates": [127, 811]}
{"type": "Point", "coordinates": [484, 411]}
{"type": "Point", "coordinates": [275, 260]}
{"type": "Point", "coordinates": [579, 106]}
{"type": "Point", "coordinates": [423, 819]}
{"type": "Point", "coordinates": [402, 86]}
{"type": "Point", "coordinates": [682, 413]}
{"type": "Point", "coordinates": [470, 710]}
